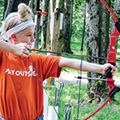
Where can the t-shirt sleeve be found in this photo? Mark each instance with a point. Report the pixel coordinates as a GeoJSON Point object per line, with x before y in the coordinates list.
{"type": "Point", "coordinates": [47, 66]}
{"type": "Point", "coordinates": [50, 68]}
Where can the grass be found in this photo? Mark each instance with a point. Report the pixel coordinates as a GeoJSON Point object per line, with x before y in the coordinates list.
{"type": "Point", "coordinates": [70, 95]}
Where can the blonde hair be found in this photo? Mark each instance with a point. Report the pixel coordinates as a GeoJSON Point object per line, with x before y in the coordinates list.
{"type": "Point", "coordinates": [13, 19]}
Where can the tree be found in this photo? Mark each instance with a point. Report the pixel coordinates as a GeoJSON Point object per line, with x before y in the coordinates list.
{"type": "Point", "coordinates": [67, 26]}
{"type": "Point", "coordinates": [61, 33]}
{"type": "Point", "coordinates": [37, 28]}
{"type": "Point", "coordinates": [45, 5]}
{"type": "Point", "coordinates": [97, 23]}
{"type": "Point", "coordinates": [117, 13]}
{"type": "Point", "coordinates": [11, 6]}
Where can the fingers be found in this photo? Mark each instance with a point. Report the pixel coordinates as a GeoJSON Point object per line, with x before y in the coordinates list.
{"type": "Point", "coordinates": [21, 50]}
{"type": "Point", "coordinates": [107, 66]}
{"type": "Point", "coordinates": [24, 55]}
{"type": "Point", "coordinates": [114, 68]}
{"type": "Point", "coordinates": [25, 52]}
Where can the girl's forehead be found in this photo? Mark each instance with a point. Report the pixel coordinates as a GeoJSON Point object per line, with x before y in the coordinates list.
{"type": "Point", "coordinates": [30, 29]}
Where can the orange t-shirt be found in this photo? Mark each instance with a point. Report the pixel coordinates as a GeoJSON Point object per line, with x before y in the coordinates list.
{"type": "Point", "coordinates": [21, 92]}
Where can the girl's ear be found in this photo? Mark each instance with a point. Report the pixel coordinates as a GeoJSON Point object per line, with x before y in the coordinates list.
{"type": "Point", "coordinates": [13, 37]}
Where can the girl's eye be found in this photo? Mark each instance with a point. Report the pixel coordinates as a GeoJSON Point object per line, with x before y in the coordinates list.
{"type": "Point", "coordinates": [29, 35]}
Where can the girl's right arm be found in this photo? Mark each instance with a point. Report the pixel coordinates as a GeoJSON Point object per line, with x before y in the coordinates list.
{"type": "Point", "coordinates": [17, 49]}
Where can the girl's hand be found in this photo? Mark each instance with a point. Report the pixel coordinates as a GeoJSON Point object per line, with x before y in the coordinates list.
{"type": "Point", "coordinates": [21, 50]}
{"type": "Point", "coordinates": [106, 66]}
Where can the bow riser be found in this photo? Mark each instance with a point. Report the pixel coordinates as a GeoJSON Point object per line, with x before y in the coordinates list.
{"type": "Point", "coordinates": [112, 57]}
{"type": "Point", "coordinates": [110, 83]}
{"type": "Point", "coordinates": [112, 49]}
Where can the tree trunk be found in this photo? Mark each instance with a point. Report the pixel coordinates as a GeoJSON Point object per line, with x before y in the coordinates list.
{"type": "Point", "coordinates": [52, 8]}
{"type": "Point", "coordinates": [45, 8]}
{"type": "Point", "coordinates": [117, 13]}
{"type": "Point", "coordinates": [37, 26]}
{"type": "Point", "coordinates": [54, 42]}
{"type": "Point", "coordinates": [67, 26]}
{"type": "Point", "coordinates": [11, 6]}
{"type": "Point", "coordinates": [61, 35]}
{"type": "Point", "coordinates": [97, 25]}
{"type": "Point", "coordinates": [31, 4]}
{"type": "Point", "coordinates": [48, 27]}
{"type": "Point", "coordinates": [117, 9]}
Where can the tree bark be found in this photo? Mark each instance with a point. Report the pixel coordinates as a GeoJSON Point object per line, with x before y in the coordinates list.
{"type": "Point", "coordinates": [54, 42]}
{"type": "Point", "coordinates": [11, 6]}
{"type": "Point", "coordinates": [117, 13]}
{"type": "Point", "coordinates": [37, 26]}
{"type": "Point", "coordinates": [97, 27]}
{"type": "Point", "coordinates": [61, 34]}
{"type": "Point", "coordinates": [48, 27]}
{"type": "Point", "coordinates": [45, 8]}
{"type": "Point", "coordinates": [67, 26]}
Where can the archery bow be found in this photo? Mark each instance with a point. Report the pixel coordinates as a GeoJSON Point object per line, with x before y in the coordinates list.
{"type": "Point", "coordinates": [111, 59]}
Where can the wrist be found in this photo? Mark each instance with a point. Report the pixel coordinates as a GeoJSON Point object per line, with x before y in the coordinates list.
{"type": "Point", "coordinates": [101, 69]}
{"type": "Point", "coordinates": [97, 68]}
{"type": "Point", "coordinates": [12, 48]}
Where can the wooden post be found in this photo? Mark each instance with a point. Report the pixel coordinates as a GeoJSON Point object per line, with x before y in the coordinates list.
{"type": "Point", "coordinates": [37, 29]}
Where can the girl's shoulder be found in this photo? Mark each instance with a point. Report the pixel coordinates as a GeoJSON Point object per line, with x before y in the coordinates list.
{"type": "Point", "coordinates": [42, 57]}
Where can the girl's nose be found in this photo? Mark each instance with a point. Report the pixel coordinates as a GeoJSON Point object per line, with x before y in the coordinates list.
{"type": "Point", "coordinates": [31, 41]}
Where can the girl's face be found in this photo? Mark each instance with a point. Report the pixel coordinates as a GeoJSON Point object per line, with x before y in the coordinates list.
{"type": "Point", "coordinates": [26, 36]}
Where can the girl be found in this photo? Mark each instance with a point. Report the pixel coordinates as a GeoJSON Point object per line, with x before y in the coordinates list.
{"type": "Point", "coordinates": [22, 74]}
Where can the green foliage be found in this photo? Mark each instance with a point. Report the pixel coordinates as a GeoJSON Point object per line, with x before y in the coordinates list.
{"type": "Point", "coordinates": [79, 2]}
{"type": "Point", "coordinates": [78, 20]}
{"type": "Point", "coordinates": [1, 11]}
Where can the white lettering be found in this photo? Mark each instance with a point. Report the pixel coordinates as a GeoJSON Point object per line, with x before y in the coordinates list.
{"type": "Point", "coordinates": [12, 72]}
{"type": "Point", "coordinates": [17, 73]}
{"type": "Point", "coordinates": [21, 73]}
{"type": "Point", "coordinates": [29, 74]}
{"type": "Point", "coordinates": [26, 73]}
{"type": "Point", "coordinates": [33, 73]}
{"type": "Point", "coordinates": [7, 70]}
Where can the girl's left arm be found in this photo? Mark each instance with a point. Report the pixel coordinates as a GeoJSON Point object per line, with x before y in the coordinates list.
{"type": "Point", "coordinates": [86, 66]}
